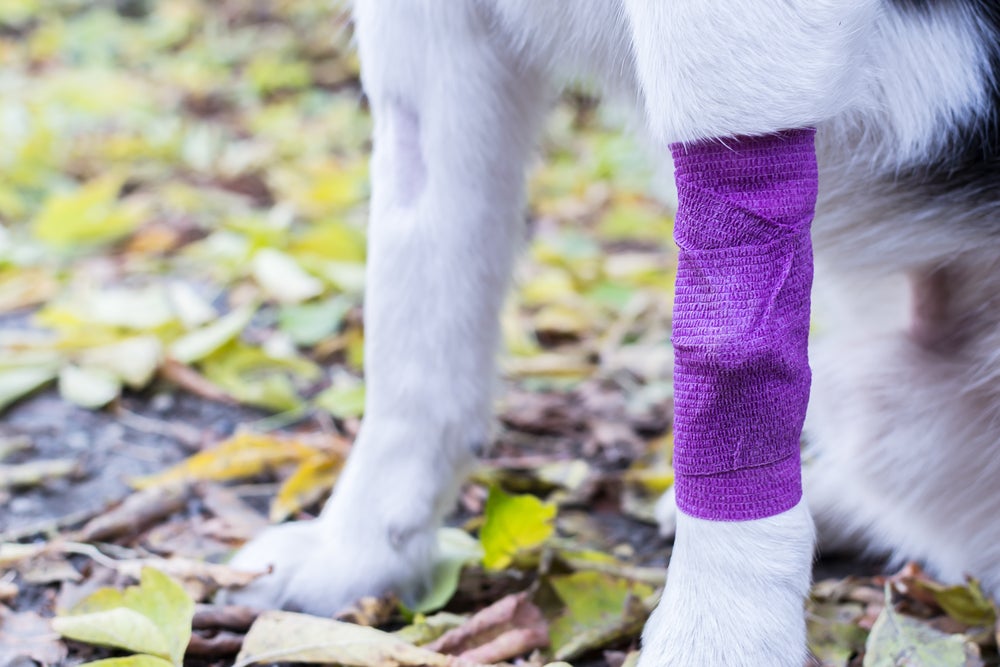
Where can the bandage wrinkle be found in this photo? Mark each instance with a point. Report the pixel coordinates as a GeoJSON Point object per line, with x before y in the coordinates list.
{"type": "Point", "coordinates": [741, 322]}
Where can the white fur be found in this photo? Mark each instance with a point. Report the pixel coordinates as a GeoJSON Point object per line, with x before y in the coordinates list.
{"type": "Point", "coordinates": [904, 434]}
{"type": "Point", "coordinates": [455, 121]}
{"type": "Point", "coordinates": [457, 88]}
{"type": "Point", "coordinates": [735, 594]}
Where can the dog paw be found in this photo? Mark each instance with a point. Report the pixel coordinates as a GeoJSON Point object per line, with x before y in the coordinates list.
{"type": "Point", "coordinates": [316, 568]}
{"type": "Point", "coordinates": [734, 594]}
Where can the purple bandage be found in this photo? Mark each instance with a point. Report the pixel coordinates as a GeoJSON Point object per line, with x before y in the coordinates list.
{"type": "Point", "coordinates": [741, 322]}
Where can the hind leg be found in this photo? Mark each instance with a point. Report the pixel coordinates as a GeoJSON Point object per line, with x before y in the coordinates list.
{"type": "Point", "coordinates": [455, 119]}
{"type": "Point", "coordinates": [904, 418]}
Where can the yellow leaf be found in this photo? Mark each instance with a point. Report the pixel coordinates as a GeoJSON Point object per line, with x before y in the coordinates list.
{"type": "Point", "coordinates": [550, 286]}
{"type": "Point", "coordinates": [286, 637]}
{"type": "Point", "coordinates": [120, 628]}
{"type": "Point", "coordinates": [563, 319]}
{"type": "Point", "coordinates": [153, 617]}
{"type": "Point", "coordinates": [130, 661]}
{"type": "Point", "coordinates": [243, 455]}
{"type": "Point", "coordinates": [255, 377]}
{"type": "Point", "coordinates": [91, 214]}
{"type": "Point", "coordinates": [310, 482]}
{"type": "Point", "coordinates": [202, 342]}
{"type": "Point", "coordinates": [512, 526]}
{"type": "Point", "coordinates": [330, 240]}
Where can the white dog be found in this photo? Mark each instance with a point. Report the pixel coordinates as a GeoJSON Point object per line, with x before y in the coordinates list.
{"type": "Point", "coordinates": [907, 374]}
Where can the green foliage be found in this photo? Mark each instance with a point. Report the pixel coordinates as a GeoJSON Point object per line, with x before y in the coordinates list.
{"type": "Point", "coordinates": [513, 525]}
{"type": "Point", "coordinates": [153, 618]}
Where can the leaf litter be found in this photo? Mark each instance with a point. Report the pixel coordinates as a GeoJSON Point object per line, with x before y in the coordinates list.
{"type": "Point", "coordinates": [182, 249]}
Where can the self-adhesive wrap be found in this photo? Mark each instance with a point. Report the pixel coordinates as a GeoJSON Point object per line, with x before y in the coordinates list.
{"type": "Point", "coordinates": [741, 322]}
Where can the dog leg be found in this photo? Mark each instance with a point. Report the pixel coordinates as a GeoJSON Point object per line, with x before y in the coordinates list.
{"type": "Point", "coordinates": [741, 565]}
{"type": "Point", "coordinates": [732, 69]}
{"type": "Point", "coordinates": [455, 121]}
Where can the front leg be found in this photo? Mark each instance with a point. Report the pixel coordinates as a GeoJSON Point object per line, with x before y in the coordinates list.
{"type": "Point", "coordinates": [455, 121]}
{"type": "Point", "coordinates": [741, 565]}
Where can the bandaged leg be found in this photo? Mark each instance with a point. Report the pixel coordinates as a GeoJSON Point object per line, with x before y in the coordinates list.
{"type": "Point", "coordinates": [741, 322]}
{"type": "Point", "coordinates": [741, 561]}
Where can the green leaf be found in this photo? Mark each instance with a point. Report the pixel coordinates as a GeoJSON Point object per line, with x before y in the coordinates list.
{"type": "Point", "coordinates": [16, 383]}
{"type": "Point", "coordinates": [900, 640]}
{"type": "Point", "coordinates": [343, 402]}
{"type": "Point", "coordinates": [202, 342]}
{"type": "Point", "coordinates": [278, 636]}
{"type": "Point", "coordinates": [309, 323]}
{"type": "Point", "coordinates": [153, 617]}
{"type": "Point", "coordinates": [131, 661]}
{"type": "Point", "coordinates": [255, 377]}
{"type": "Point", "coordinates": [599, 609]}
{"type": "Point", "coordinates": [91, 214]}
{"type": "Point", "coordinates": [513, 525]}
{"type": "Point", "coordinates": [88, 387]}
{"type": "Point", "coordinates": [966, 604]}
{"type": "Point", "coordinates": [122, 628]}
{"type": "Point", "coordinates": [456, 549]}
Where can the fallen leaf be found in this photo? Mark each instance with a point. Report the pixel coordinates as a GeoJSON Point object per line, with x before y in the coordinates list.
{"type": "Point", "coordinates": [88, 386]}
{"type": "Point", "coordinates": [29, 636]}
{"type": "Point", "coordinates": [281, 277]}
{"type": "Point", "coordinates": [599, 609]}
{"type": "Point", "coordinates": [202, 342]}
{"type": "Point", "coordinates": [133, 360]}
{"type": "Point", "coordinates": [896, 639]}
{"type": "Point", "coordinates": [455, 550]}
{"type": "Point", "coordinates": [311, 481]}
{"type": "Point", "coordinates": [513, 525]}
{"type": "Point", "coordinates": [243, 455]}
{"type": "Point", "coordinates": [278, 636]}
{"type": "Point", "coordinates": [426, 629]}
{"type": "Point", "coordinates": [15, 383]}
{"type": "Point", "coordinates": [131, 661]}
{"type": "Point", "coordinates": [343, 401]}
{"type": "Point", "coordinates": [153, 618]}
{"type": "Point", "coordinates": [309, 323]}
{"type": "Point", "coordinates": [90, 214]}
{"type": "Point", "coordinates": [35, 473]}
{"type": "Point", "coordinates": [135, 513]}
{"type": "Point", "coordinates": [509, 627]}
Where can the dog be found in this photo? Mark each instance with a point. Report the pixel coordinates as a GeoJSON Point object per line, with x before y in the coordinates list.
{"type": "Point", "coordinates": [905, 99]}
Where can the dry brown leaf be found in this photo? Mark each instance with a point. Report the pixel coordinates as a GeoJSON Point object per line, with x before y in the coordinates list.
{"type": "Point", "coordinates": [234, 519]}
{"type": "Point", "coordinates": [29, 636]}
{"type": "Point", "coordinates": [8, 590]}
{"type": "Point", "coordinates": [135, 513]}
{"type": "Point", "coordinates": [48, 570]}
{"type": "Point", "coordinates": [224, 617]}
{"type": "Point", "coordinates": [191, 380]}
{"type": "Point", "coordinates": [509, 627]}
{"type": "Point", "coordinates": [370, 611]}
{"type": "Point", "coordinates": [184, 569]}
